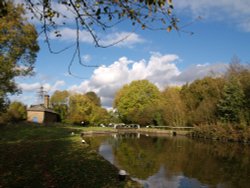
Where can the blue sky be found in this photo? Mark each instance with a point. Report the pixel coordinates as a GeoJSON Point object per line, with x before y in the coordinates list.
{"type": "Point", "coordinates": [164, 58]}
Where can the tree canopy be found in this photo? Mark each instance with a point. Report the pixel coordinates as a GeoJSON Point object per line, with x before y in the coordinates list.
{"type": "Point", "coordinates": [92, 15]}
{"type": "Point", "coordinates": [18, 48]}
{"type": "Point", "coordinates": [137, 102]}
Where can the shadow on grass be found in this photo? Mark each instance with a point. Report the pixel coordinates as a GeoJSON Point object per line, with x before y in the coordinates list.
{"type": "Point", "coordinates": [51, 157]}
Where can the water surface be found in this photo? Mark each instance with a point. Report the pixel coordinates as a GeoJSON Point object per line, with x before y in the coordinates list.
{"type": "Point", "coordinates": [163, 161]}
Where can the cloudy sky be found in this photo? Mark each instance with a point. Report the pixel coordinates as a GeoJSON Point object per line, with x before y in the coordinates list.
{"type": "Point", "coordinates": [163, 58]}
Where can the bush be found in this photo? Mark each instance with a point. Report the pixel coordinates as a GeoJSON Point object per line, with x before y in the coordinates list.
{"type": "Point", "coordinates": [222, 132]}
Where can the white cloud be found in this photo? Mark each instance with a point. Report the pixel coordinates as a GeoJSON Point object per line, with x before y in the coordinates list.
{"type": "Point", "coordinates": [119, 39]}
{"type": "Point", "coordinates": [29, 87]}
{"type": "Point", "coordinates": [160, 69]}
{"type": "Point", "coordinates": [122, 39]}
{"type": "Point", "coordinates": [106, 80]}
{"type": "Point", "coordinates": [199, 71]}
{"type": "Point", "coordinates": [231, 11]}
{"type": "Point", "coordinates": [69, 34]}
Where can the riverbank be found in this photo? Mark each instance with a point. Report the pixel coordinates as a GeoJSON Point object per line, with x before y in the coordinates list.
{"type": "Point", "coordinates": [52, 156]}
{"type": "Point", "coordinates": [96, 130]}
{"type": "Point", "coordinates": [219, 132]}
{"type": "Point", "coordinates": [222, 132]}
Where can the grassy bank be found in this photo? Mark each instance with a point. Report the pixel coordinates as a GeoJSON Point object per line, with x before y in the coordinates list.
{"type": "Point", "coordinates": [51, 156]}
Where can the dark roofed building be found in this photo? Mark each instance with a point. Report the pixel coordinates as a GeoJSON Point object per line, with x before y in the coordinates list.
{"type": "Point", "coordinates": [41, 113]}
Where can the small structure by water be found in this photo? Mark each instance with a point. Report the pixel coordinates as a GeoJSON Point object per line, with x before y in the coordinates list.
{"type": "Point", "coordinates": [41, 113]}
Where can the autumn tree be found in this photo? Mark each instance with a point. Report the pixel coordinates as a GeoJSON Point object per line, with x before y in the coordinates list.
{"type": "Point", "coordinates": [59, 102]}
{"type": "Point", "coordinates": [136, 102]}
{"type": "Point", "coordinates": [174, 109]}
{"type": "Point", "coordinates": [80, 107]}
{"type": "Point", "coordinates": [17, 111]}
{"type": "Point", "coordinates": [94, 98]}
{"type": "Point", "coordinates": [201, 98]}
{"type": "Point", "coordinates": [83, 109]}
{"type": "Point", "coordinates": [18, 48]}
{"type": "Point", "coordinates": [241, 72]}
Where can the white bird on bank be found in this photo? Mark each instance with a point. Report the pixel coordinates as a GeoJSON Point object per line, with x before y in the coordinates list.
{"type": "Point", "coordinates": [83, 141]}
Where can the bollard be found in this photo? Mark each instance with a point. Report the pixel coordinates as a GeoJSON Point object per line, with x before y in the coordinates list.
{"type": "Point", "coordinates": [122, 175]}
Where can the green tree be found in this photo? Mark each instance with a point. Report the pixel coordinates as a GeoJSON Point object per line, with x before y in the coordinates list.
{"type": "Point", "coordinates": [232, 102]}
{"type": "Point", "coordinates": [136, 102]}
{"type": "Point", "coordinates": [18, 48]}
{"type": "Point", "coordinates": [59, 102]}
{"type": "Point", "coordinates": [242, 73]}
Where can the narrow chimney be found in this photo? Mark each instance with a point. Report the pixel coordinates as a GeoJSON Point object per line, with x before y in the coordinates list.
{"type": "Point", "coordinates": [46, 101]}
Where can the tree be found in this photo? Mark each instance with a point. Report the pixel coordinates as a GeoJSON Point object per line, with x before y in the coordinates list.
{"type": "Point", "coordinates": [136, 102]}
{"type": "Point", "coordinates": [201, 98]}
{"type": "Point", "coordinates": [17, 111]}
{"type": "Point", "coordinates": [229, 107]}
{"type": "Point", "coordinates": [174, 109]}
{"type": "Point", "coordinates": [239, 75]}
{"type": "Point", "coordinates": [94, 98]}
{"type": "Point", "coordinates": [18, 48]}
{"type": "Point", "coordinates": [59, 101]}
{"type": "Point", "coordinates": [80, 107]}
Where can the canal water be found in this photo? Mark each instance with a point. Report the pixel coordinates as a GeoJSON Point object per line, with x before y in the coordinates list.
{"type": "Point", "coordinates": [164, 161]}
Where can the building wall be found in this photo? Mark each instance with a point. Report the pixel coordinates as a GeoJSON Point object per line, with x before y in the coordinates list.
{"type": "Point", "coordinates": [50, 117]}
{"type": "Point", "coordinates": [35, 116]}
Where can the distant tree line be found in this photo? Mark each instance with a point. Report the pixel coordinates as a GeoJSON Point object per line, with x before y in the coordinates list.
{"type": "Point", "coordinates": [223, 99]}
{"type": "Point", "coordinates": [210, 100]}
{"type": "Point", "coordinates": [78, 108]}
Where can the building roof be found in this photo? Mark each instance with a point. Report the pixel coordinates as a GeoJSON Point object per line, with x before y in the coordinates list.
{"type": "Point", "coordinates": [40, 108]}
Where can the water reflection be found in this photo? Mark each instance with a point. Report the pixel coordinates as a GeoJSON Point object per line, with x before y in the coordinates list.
{"type": "Point", "coordinates": [159, 161]}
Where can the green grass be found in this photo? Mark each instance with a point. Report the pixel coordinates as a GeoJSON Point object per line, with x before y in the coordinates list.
{"type": "Point", "coordinates": [50, 156]}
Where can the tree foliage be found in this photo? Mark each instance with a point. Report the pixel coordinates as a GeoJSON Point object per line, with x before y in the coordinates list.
{"type": "Point", "coordinates": [201, 98]}
{"type": "Point", "coordinates": [59, 101]}
{"type": "Point", "coordinates": [137, 102]}
{"type": "Point", "coordinates": [94, 98]}
{"type": "Point", "coordinates": [232, 102]}
{"type": "Point", "coordinates": [16, 112]}
{"type": "Point", "coordinates": [77, 108]}
{"type": "Point", "coordinates": [174, 109]}
{"type": "Point", "coordinates": [18, 48]}
{"type": "Point", "coordinates": [94, 15]}
{"type": "Point", "coordinates": [80, 108]}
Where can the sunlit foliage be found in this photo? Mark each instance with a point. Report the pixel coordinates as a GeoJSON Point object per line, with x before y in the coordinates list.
{"type": "Point", "coordinates": [18, 48]}
{"type": "Point", "coordinates": [138, 102]}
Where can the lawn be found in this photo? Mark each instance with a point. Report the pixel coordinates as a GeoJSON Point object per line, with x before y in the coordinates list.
{"type": "Point", "coordinates": [51, 156]}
